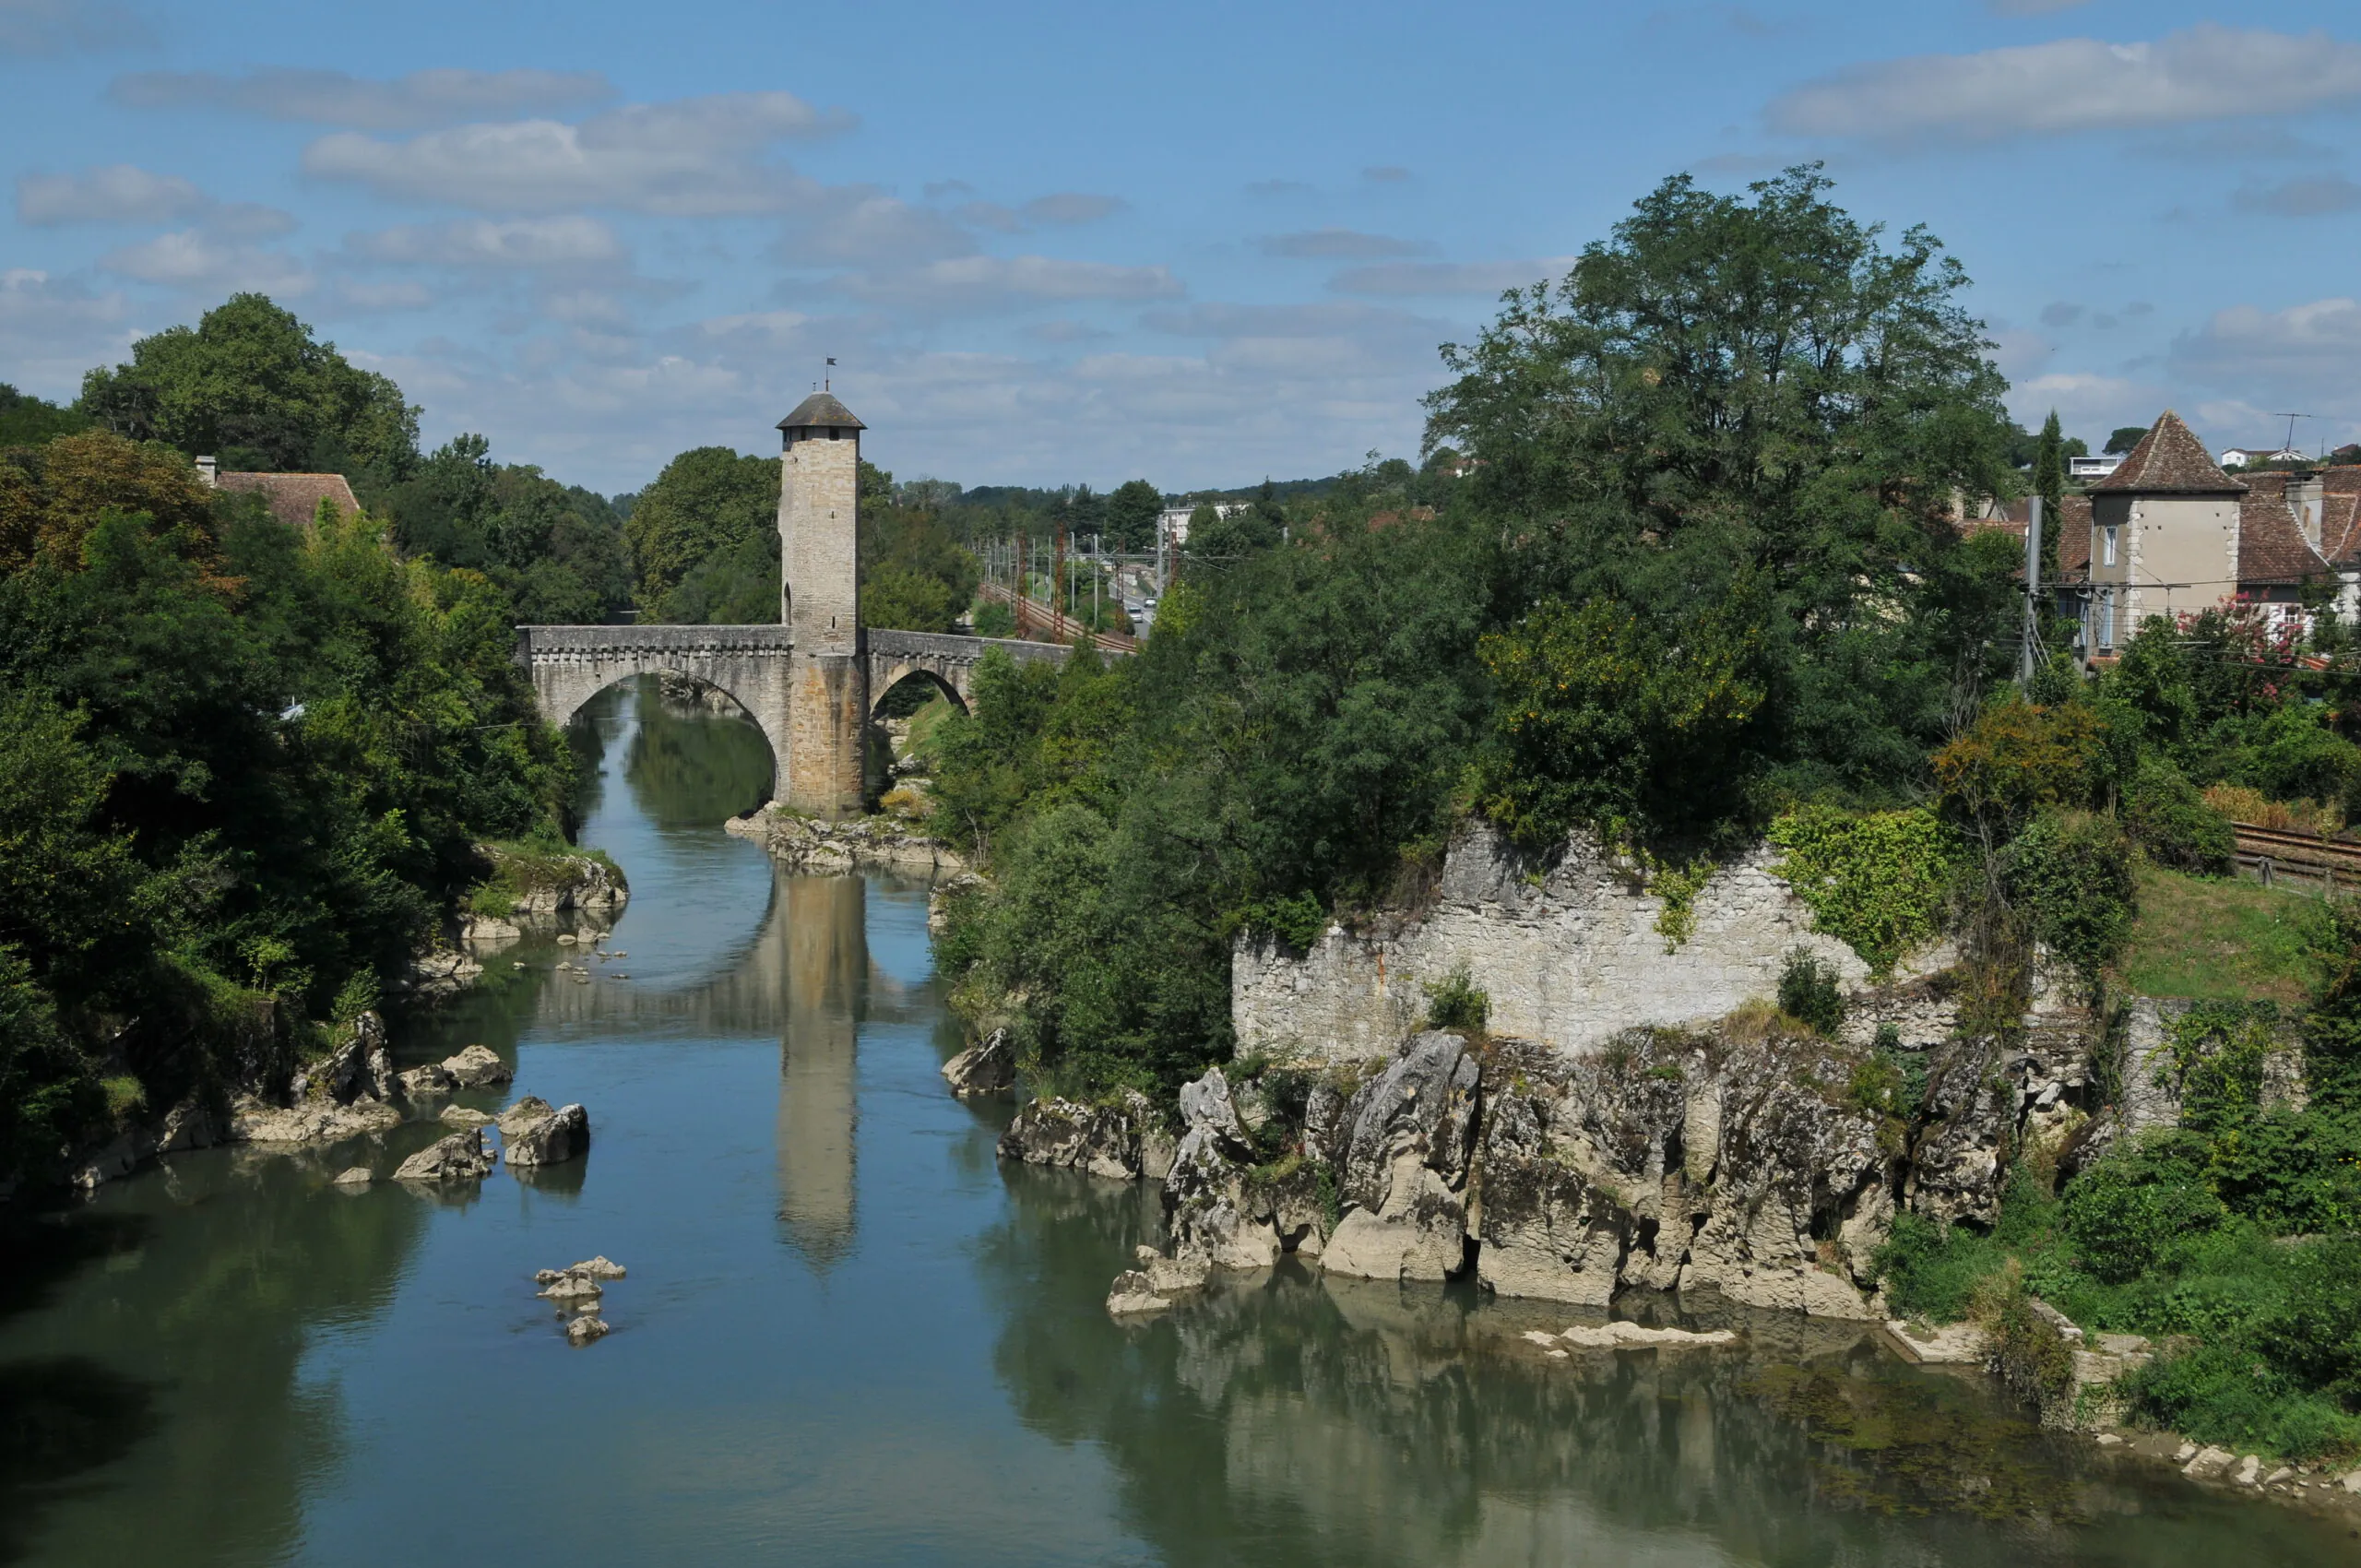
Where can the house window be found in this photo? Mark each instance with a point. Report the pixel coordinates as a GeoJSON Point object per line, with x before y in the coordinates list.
{"type": "Point", "coordinates": [2105, 609]}
{"type": "Point", "coordinates": [2107, 559]}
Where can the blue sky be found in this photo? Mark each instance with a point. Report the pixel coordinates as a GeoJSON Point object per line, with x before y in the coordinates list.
{"type": "Point", "coordinates": [1050, 243]}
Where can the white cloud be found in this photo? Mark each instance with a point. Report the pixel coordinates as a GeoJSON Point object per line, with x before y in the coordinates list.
{"type": "Point", "coordinates": [2303, 349]}
{"type": "Point", "coordinates": [988, 282]}
{"type": "Point", "coordinates": [1487, 277]}
{"type": "Point", "coordinates": [1339, 245]}
{"type": "Point", "coordinates": [1062, 207]}
{"type": "Point", "coordinates": [1067, 332]}
{"type": "Point", "coordinates": [2300, 198]}
{"type": "Point", "coordinates": [571, 240]}
{"type": "Point", "coordinates": [693, 157]}
{"type": "Point", "coordinates": [2077, 84]}
{"type": "Point", "coordinates": [194, 260]}
{"type": "Point", "coordinates": [116, 193]}
{"type": "Point", "coordinates": [1071, 206]}
{"type": "Point", "coordinates": [56, 27]}
{"type": "Point", "coordinates": [858, 225]}
{"type": "Point", "coordinates": [51, 329]}
{"type": "Point", "coordinates": [356, 296]}
{"type": "Point", "coordinates": [336, 98]}
{"type": "Point", "coordinates": [1318, 318]}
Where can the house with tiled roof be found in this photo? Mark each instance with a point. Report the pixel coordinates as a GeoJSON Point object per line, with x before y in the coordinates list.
{"type": "Point", "coordinates": [2169, 533]}
{"type": "Point", "coordinates": [293, 499]}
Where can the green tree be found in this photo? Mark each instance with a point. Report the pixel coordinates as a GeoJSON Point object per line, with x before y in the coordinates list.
{"type": "Point", "coordinates": [250, 382]}
{"type": "Point", "coordinates": [2049, 484]}
{"type": "Point", "coordinates": [1751, 382]}
{"type": "Point", "coordinates": [1132, 508]}
{"type": "Point", "coordinates": [714, 509]}
{"type": "Point", "coordinates": [2124, 438]}
{"type": "Point", "coordinates": [26, 420]}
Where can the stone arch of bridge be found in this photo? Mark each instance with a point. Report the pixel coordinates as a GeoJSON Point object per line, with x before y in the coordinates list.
{"type": "Point", "coordinates": [755, 686]}
{"type": "Point", "coordinates": [891, 679]}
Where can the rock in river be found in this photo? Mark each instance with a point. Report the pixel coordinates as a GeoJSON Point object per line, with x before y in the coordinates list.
{"type": "Point", "coordinates": [551, 1138]}
{"type": "Point", "coordinates": [1132, 1295]}
{"type": "Point", "coordinates": [464, 1116]}
{"type": "Point", "coordinates": [586, 1328]}
{"type": "Point", "coordinates": [477, 1066]}
{"type": "Point", "coordinates": [989, 1067]}
{"type": "Point", "coordinates": [460, 1156]}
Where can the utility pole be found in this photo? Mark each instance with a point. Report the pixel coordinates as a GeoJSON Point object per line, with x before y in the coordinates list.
{"type": "Point", "coordinates": [2030, 657]}
{"type": "Point", "coordinates": [1064, 602]}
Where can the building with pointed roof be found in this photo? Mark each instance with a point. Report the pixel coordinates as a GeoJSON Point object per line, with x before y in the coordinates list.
{"type": "Point", "coordinates": [2165, 531]}
{"type": "Point", "coordinates": [2170, 533]}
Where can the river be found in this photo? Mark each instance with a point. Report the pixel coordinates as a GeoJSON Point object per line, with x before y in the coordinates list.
{"type": "Point", "coordinates": [850, 1334]}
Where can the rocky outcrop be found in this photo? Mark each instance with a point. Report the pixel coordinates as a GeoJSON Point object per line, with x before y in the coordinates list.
{"type": "Point", "coordinates": [424, 1083]}
{"type": "Point", "coordinates": [478, 1066]}
{"type": "Point", "coordinates": [442, 972]}
{"type": "Point", "coordinates": [461, 1156]}
{"type": "Point", "coordinates": [1123, 1139]}
{"type": "Point", "coordinates": [343, 1094]}
{"type": "Point", "coordinates": [1211, 1221]}
{"type": "Point", "coordinates": [552, 1139]}
{"type": "Point", "coordinates": [188, 1125]}
{"type": "Point", "coordinates": [809, 845]}
{"type": "Point", "coordinates": [989, 1067]}
{"type": "Point", "coordinates": [1679, 1161]}
{"type": "Point", "coordinates": [1410, 1138]}
{"type": "Point", "coordinates": [359, 1066]}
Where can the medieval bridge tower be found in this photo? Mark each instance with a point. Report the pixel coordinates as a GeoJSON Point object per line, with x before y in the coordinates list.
{"type": "Point", "coordinates": [805, 680]}
{"type": "Point", "coordinates": [827, 697]}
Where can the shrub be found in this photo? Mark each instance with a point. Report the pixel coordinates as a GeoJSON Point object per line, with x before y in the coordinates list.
{"type": "Point", "coordinates": [2070, 874]}
{"type": "Point", "coordinates": [1453, 1003]}
{"type": "Point", "coordinates": [2127, 1211]}
{"type": "Point", "coordinates": [2314, 1335]}
{"type": "Point", "coordinates": [1876, 882]}
{"type": "Point", "coordinates": [1809, 993]}
{"type": "Point", "coordinates": [1930, 1270]}
{"type": "Point", "coordinates": [2167, 818]}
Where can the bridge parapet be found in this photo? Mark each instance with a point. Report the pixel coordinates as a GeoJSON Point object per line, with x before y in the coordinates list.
{"type": "Point", "coordinates": [597, 642]}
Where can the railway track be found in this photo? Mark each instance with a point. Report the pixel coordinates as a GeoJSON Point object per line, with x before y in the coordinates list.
{"type": "Point", "coordinates": [2273, 851]}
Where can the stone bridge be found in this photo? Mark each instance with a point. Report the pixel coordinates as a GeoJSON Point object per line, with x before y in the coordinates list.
{"type": "Point", "coordinates": [811, 681]}
{"type": "Point", "coordinates": [754, 666]}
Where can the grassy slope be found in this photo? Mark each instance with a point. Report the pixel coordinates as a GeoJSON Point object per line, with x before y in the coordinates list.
{"type": "Point", "coordinates": [2229, 939]}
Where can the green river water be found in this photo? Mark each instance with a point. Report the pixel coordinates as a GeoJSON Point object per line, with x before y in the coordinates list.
{"type": "Point", "coordinates": [851, 1336]}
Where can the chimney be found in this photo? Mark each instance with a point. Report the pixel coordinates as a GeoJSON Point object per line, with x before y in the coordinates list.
{"type": "Point", "coordinates": [2304, 492]}
{"type": "Point", "coordinates": [205, 470]}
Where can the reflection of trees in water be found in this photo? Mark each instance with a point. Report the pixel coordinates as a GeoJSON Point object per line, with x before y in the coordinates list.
{"type": "Point", "coordinates": [692, 765]}
{"type": "Point", "coordinates": [1291, 1419]}
{"type": "Point", "coordinates": [174, 1346]}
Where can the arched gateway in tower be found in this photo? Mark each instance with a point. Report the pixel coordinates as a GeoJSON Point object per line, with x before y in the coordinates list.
{"type": "Point", "coordinates": [805, 681]}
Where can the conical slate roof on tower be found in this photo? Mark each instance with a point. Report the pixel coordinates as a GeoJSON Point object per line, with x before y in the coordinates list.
{"type": "Point", "coordinates": [2170, 460]}
{"type": "Point", "coordinates": [821, 409]}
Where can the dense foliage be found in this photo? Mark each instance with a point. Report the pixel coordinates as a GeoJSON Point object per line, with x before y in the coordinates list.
{"type": "Point", "coordinates": [245, 768]}
{"type": "Point", "coordinates": [250, 385]}
{"type": "Point", "coordinates": [239, 767]}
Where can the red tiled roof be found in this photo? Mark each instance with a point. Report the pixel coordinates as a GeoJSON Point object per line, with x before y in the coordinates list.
{"type": "Point", "coordinates": [2075, 537]}
{"type": "Point", "coordinates": [2170, 460]}
{"type": "Point", "coordinates": [2341, 526]}
{"type": "Point", "coordinates": [294, 499]}
{"type": "Point", "coordinates": [2272, 548]}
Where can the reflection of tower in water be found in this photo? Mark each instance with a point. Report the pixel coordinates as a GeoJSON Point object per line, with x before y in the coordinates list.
{"type": "Point", "coordinates": [827, 967]}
